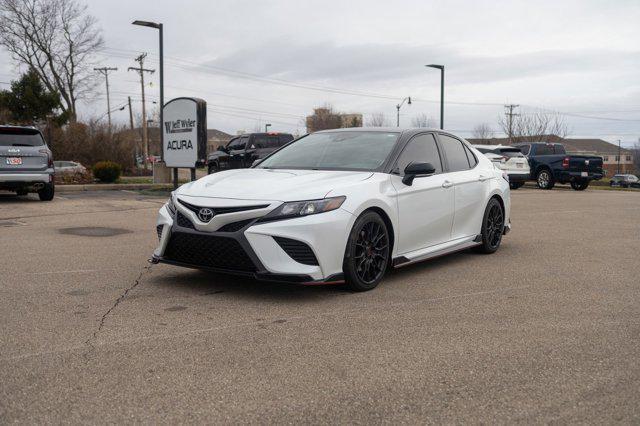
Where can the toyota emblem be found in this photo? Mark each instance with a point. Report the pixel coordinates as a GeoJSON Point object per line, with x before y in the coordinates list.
{"type": "Point", "coordinates": [205, 214]}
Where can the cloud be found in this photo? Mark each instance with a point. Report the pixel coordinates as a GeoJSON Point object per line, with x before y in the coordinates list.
{"type": "Point", "coordinates": [328, 61]}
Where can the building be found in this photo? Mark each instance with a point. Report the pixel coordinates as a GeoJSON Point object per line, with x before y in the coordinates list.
{"type": "Point", "coordinates": [580, 146]}
{"type": "Point", "coordinates": [215, 138]}
{"type": "Point", "coordinates": [326, 118]}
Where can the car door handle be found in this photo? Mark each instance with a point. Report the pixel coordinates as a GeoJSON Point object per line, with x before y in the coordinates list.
{"type": "Point", "coordinates": [447, 184]}
{"type": "Point", "coordinates": [482, 178]}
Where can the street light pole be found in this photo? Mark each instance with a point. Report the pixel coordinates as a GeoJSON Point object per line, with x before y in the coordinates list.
{"type": "Point", "coordinates": [408, 98]}
{"type": "Point", "coordinates": [618, 156]}
{"type": "Point", "coordinates": [441, 68]}
{"type": "Point", "coordinates": [266, 127]}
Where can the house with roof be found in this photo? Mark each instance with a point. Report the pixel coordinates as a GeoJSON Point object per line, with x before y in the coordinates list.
{"type": "Point", "coordinates": [613, 157]}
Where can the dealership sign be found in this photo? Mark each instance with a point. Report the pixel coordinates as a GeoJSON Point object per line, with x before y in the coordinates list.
{"type": "Point", "coordinates": [185, 132]}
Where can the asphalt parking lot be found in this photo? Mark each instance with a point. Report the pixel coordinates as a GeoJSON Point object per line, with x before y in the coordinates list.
{"type": "Point", "coordinates": [545, 330]}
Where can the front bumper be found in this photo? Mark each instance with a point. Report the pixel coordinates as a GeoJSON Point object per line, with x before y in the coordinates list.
{"type": "Point", "coordinates": [255, 251]}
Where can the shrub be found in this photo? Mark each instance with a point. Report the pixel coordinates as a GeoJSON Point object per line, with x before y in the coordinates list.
{"type": "Point", "coordinates": [74, 177]}
{"type": "Point", "coordinates": [107, 171]}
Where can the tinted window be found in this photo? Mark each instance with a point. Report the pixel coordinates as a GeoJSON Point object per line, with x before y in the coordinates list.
{"type": "Point", "coordinates": [264, 141]}
{"type": "Point", "coordinates": [421, 149]}
{"type": "Point", "coordinates": [559, 149]}
{"type": "Point", "coordinates": [544, 149]}
{"type": "Point", "coordinates": [470, 157]}
{"type": "Point", "coordinates": [335, 150]}
{"type": "Point", "coordinates": [20, 137]}
{"type": "Point", "coordinates": [238, 143]}
{"type": "Point", "coordinates": [525, 149]}
{"type": "Point", "coordinates": [455, 153]}
{"type": "Point", "coordinates": [285, 138]}
{"type": "Point", "coordinates": [510, 152]}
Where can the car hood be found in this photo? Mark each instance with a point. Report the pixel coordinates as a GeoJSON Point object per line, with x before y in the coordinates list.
{"type": "Point", "coordinates": [271, 184]}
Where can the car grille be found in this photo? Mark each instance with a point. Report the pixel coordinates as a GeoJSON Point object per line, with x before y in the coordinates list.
{"type": "Point", "coordinates": [208, 251]}
{"type": "Point", "coordinates": [222, 210]}
{"type": "Point", "coordinates": [159, 230]}
{"type": "Point", "coordinates": [183, 221]}
{"type": "Point", "coordinates": [297, 250]}
{"type": "Point", "coordinates": [235, 226]}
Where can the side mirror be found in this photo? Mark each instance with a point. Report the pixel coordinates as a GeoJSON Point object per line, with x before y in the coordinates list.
{"type": "Point", "coordinates": [256, 162]}
{"type": "Point", "coordinates": [414, 170]}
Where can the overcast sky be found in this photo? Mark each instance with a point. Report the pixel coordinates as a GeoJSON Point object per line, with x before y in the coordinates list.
{"type": "Point", "coordinates": [258, 62]}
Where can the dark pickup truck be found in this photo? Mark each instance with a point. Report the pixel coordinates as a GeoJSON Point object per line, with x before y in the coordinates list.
{"type": "Point", "coordinates": [550, 164]}
{"type": "Point", "coordinates": [244, 150]}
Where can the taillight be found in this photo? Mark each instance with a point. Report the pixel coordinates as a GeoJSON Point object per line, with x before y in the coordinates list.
{"type": "Point", "coordinates": [565, 162]}
{"type": "Point", "coordinates": [49, 157]}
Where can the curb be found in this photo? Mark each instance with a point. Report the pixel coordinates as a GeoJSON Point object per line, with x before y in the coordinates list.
{"type": "Point", "coordinates": [113, 187]}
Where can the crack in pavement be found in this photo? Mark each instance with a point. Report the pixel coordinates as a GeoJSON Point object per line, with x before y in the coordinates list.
{"type": "Point", "coordinates": [123, 295]}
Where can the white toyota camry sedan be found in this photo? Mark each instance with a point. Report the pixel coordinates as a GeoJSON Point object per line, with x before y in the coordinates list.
{"type": "Point", "coordinates": [339, 206]}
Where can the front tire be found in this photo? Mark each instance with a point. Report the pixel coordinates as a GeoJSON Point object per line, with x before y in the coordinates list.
{"type": "Point", "coordinates": [492, 227]}
{"type": "Point", "coordinates": [46, 193]}
{"type": "Point", "coordinates": [545, 179]}
{"type": "Point", "coordinates": [213, 168]}
{"type": "Point", "coordinates": [367, 253]}
{"type": "Point", "coordinates": [579, 185]}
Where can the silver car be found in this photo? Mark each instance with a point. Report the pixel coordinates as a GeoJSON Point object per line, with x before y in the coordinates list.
{"type": "Point", "coordinates": [26, 162]}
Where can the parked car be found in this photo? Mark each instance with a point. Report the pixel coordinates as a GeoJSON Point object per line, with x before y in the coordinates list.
{"type": "Point", "coordinates": [26, 163]}
{"type": "Point", "coordinates": [243, 151]}
{"type": "Point", "coordinates": [511, 160]}
{"type": "Point", "coordinates": [339, 205]}
{"type": "Point", "coordinates": [550, 164]}
{"type": "Point", "coordinates": [625, 181]}
{"type": "Point", "coordinates": [69, 167]}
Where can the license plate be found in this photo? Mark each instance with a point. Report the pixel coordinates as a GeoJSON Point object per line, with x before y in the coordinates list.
{"type": "Point", "coordinates": [519, 165]}
{"type": "Point", "coordinates": [584, 174]}
{"type": "Point", "coordinates": [14, 161]}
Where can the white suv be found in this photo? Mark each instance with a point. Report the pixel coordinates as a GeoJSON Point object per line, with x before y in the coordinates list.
{"type": "Point", "coordinates": [510, 160]}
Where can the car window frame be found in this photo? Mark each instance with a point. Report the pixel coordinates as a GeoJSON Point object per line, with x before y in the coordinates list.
{"type": "Point", "coordinates": [395, 170]}
{"type": "Point", "coordinates": [464, 143]}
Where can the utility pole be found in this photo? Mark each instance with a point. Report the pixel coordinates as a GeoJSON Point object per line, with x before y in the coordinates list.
{"type": "Point", "coordinates": [130, 114]}
{"type": "Point", "coordinates": [510, 114]}
{"type": "Point", "coordinates": [145, 138]}
{"type": "Point", "coordinates": [105, 71]}
{"type": "Point", "coordinates": [266, 127]}
{"type": "Point", "coordinates": [618, 156]}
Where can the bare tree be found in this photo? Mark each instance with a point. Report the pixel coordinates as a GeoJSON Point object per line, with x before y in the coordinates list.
{"type": "Point", "coordinates": [57, 39]}
{"type": "Point", "coordinates": [483, 132]}
{"type": "Point", "coordinates": [423, 120]}
{"type": "Point", "coordinates": [536, 126]}
{"type": "Point", "coordinates": [377, 119]}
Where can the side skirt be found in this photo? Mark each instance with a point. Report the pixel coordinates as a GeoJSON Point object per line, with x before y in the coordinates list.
{"type": "Point", "coordinates": [401, 261]}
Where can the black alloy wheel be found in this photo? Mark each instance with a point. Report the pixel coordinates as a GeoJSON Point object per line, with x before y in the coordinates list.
{"type": "Point", "coordinates": [367, 253]}
{"type": "Point", "coordinates": [492, 227]}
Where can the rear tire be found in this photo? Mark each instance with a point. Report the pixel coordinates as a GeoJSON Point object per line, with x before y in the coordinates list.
{"type": "Point", "coordinates": [492, 227]}
{"type": "Point", "coordinates": [545, 179]}
{"type": "Point", "coordinates": [515, 185]}
{"type": "Point", "coordinates": [46, 193]}
{"type": "Point", "coordinates": [366, 257]}
{"type": "Point", "coordinates": [579, 185]}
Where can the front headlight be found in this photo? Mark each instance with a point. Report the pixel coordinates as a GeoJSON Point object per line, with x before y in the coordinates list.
{"type": "Point", "coordinates": [305, 208]}
{"type": "Point", "coordinates": [171, 206]}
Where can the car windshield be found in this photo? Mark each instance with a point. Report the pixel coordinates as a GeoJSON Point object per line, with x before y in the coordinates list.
{"type": "Point", "coordinates": [20, 137]}
{"type": "Point", "coordinates": [357, 150]}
